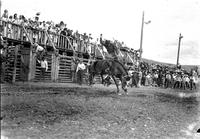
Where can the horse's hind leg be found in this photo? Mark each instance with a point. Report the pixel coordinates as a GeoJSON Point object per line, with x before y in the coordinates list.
{"type": "Point", "coordinates": [116, 83]}
{"type": "Point", "coordinates": [102, 80]}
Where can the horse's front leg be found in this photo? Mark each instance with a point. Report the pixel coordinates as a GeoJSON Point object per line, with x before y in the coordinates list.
{"type": "Point", "coordinates": [116, 83]}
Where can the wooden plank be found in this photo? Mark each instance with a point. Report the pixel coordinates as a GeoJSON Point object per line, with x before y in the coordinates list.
{"type": "Point", "coordinates": [15, 64]}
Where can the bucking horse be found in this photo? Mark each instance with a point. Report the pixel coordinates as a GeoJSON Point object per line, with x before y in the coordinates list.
{"type": "Point", "coordinates": [113, 68]}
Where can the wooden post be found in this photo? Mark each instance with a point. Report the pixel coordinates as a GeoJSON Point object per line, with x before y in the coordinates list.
{"type": "Point", "coordinates": [15, 65]}
{"type": "Point", "coordinates": [53, 68]}
{"type": "Point", "coordinates": [31, 69]}
{"type": "Point", "coordinates": [57, 68]}
{"type": "Point", "coordinates": [33, 66]}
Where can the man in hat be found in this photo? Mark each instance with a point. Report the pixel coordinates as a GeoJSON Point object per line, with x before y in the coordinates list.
{"type": "Point", "coordinates": [5, 15]}
{"type": "Point", "coordinates": [44, 67]}
{"type": "Point", "coordinates": [79, 70]}
{"type": "Point", "coordinates": [168, 78]}
{"type": "Point", "coordinates": [40, 51]}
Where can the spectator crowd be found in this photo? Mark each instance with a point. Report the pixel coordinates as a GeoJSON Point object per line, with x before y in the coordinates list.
{"type": "Point", "coordinates": [164, 76]}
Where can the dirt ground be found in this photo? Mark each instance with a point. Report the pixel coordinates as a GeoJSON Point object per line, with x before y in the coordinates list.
{"type": "Point", "coordinates": [56, 111]}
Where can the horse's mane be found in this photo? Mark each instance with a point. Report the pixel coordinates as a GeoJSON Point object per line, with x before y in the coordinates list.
{"type": "Point", "coordinates": [122, 66]}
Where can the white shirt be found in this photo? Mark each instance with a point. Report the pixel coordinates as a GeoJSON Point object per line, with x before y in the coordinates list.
{"type": "Point", "coordinates": [44, 64]}
{"type": "Point", "coordinates": [155, 75]}
{"type": "Point", "coordinates": [148, 76]}
{"type": "Point", "coordinates": [39, 48]}
{"type": "Point", "coordinates": [187, 79]}
{"type": "Point", "coordinates": [1, 51]}
{"type": "Point", "coordinates": [81, 66]}
{"type": "Point", "coordinates": [130, 72]}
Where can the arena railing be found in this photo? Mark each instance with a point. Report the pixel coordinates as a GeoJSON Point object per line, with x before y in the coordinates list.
{"type": "Point", "coordinates": [23, 32]}
{"type": "Point", "coordinates": [40, 36]}
{"type": "Point", "coordinates": [130, 58]}
{"type": "Point", "coordinates": [100, 50]}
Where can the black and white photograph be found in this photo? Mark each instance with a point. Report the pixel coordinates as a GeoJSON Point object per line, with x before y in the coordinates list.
{"type": "Point", "coordinates": [100, 69]}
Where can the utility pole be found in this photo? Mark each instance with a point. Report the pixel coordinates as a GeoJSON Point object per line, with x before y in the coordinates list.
{"type": "Point", "coordinates": [0, 7]}
{"type": "Point", "coordinates": [141, 37]}
{"type": "Point", "coordinates": [179, 43]}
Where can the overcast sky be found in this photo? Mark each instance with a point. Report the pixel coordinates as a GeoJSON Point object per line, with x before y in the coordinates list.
{"type": "Point", "coordinates": [121, 19]}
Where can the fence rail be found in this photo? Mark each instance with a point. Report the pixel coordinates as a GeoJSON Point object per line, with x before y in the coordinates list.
{"type": "Point", "coordinates": [45, 37]}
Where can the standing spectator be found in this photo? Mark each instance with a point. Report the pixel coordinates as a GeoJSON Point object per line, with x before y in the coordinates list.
{"type": "Point", "coordinates": [9, 28]}
{"type": "Point", "coordinates": [63, 40]}
{"type": "Point", "coordinates": [44, 68]}
{"type": "Point", "coordinates": [89, 46]}
{"type": "Point", "coordinates": [84, 43]}
{"type": "Point", "coordinates": [77, 40]}
{"type": "Point", "coordinates": [35, 25]}
{"type": "Point", "coordinates": [155, 78]}
{"type": "Point", "coordinates": [80, 69]}
{"type": "Point", "coordinates": [148, 79]}
{"type": "Point", "coordinates": [135, 79]}
{"type": "Point", "coordinates": [167, 79]}
{"type": "Point", "coordinates": [20, 20]}
{"type": "Point", "coordinates": [193, 80]}
{"type": "Point", "coordinates": [187, 81]}
{"type": "Point", "coordinates": [184, 81]}
{"type": "Point", "coordinates": [5, 15]}
{"type": "Point", "coordinates": [143, 80]}
{"type": "Point", "coordinates": [62, 25]}
{"type": "Point", "coordinates": [15, 28]}
{"type": "Point", "coordinates": [140, 78]}
{"type": "Point", "coordinates": [15, 19]}
{"type": "Point", "coordinates": [178, 81]}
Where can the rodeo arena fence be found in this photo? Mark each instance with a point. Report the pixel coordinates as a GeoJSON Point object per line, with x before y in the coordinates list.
{"type": "Point", "coordinates": [23, 43]}
{"type": "Point", "coordinates": [21, 63]}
